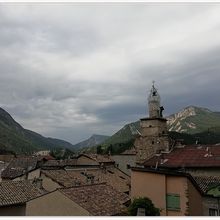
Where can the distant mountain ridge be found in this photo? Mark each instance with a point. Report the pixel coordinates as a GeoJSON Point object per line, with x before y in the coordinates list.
{"type": "Point", "coordinates": [13, 137]}
{"type": "Point", "coordinates": [95, 139]}
{"type": "Point", "coordinates": [190, 123]}
{"type": "Point", "coordinates": [193, 120]}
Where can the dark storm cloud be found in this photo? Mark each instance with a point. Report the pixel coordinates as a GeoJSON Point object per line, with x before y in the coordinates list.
{"type": "Point", "coordinates": [73, 70]}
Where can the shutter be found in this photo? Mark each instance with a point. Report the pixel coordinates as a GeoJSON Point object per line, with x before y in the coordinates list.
{"type": "Point", "coordinates": [173, 201]}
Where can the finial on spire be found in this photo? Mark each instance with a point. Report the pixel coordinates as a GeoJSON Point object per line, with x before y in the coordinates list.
{"type": "Point", "coordinates": [153, 82]}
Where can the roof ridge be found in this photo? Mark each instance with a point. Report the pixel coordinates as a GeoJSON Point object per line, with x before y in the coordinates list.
{"type": "Point", "coordinates": [85, 185]}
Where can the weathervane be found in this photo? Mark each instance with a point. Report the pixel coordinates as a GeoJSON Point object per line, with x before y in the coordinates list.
{"type": "Point", "coordinates": [153, 83]}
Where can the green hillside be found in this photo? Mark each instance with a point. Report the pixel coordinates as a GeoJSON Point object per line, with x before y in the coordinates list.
{"type": "Point", "coordinates": [13, 137]}
{"type": "Point", "coordinates": [194, 120]}
{"type": "Point", "coordinates": [124, 135]}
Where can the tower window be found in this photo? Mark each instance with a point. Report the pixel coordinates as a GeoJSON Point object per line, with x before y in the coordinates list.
{"type": "Point", "coordinates": [152, 142]}
{"type": "Point", "coordinates": [150, 126]}
{"type": "Point", "coordinates": [163, 132]}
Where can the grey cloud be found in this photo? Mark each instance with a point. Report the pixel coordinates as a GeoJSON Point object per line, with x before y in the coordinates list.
{"type": "Point", "coordinates": [69, 71]}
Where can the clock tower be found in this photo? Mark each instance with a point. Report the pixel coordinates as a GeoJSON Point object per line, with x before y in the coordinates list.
{"type": "Point", "coordinates": [154, 134]}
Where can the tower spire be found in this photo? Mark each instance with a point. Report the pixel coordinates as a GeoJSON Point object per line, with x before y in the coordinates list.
{"type": "Point", "coordinates": [154, 102]}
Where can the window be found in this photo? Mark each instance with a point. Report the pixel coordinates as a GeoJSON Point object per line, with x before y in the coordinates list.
{"type": "Point", "coordinates": [213, 212]}
{"type": "Point", "coordinates": [173, 202]}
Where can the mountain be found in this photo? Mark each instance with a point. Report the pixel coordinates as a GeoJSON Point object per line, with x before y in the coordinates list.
{"type": "Point", "coordinates": [193, 120]}
{"type": "Point", "coordinates": [118, 142]}
{"type": "Point", "coordinates": [191, 124]}
{"type": "Point", "coordinates": [95, 139]}
{"type": "Point", "coordinates": [13, 137]}
{"type": "Point", "coordinates": [124, 135]}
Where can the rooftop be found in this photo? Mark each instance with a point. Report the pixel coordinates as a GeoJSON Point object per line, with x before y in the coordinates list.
{"type": "Point", "coordinates": [18, 192]}
{"type": "Point", "coordinates": [207, 182]}
{"type": "Point", "coordinates": [60, 163]}
{"type": "Point", "coordinates": [19, 166]}
{"type": "Point", "coordinates": [98, 199]}
{"type": "Point", "coordinates": [99, 158]}
{"type": "Point", "coordinates": [188, 156]}
{"type": "Point", "coordinates": [75, 177]}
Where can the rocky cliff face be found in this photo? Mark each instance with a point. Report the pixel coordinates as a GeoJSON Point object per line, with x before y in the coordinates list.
{"type": "Point", "coordinates": [176, 122]}
{"type": "Point", "coordinates": [192, 119]}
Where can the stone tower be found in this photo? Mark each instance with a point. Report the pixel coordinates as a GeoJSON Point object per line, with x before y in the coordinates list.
{"type": "Point", "coordinates": [154, 133]}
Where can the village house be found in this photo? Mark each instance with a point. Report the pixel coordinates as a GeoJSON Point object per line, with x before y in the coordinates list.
{"type": "Point", "coordinates": [195, 159]}
{"type": "Point", "coordinates": [96, 200]}
{"type": "Point", "coordinates": [15, 194]}
{"type": "Point", "coordinates": [125, 160]}
{"type": "Point", "coordinates": [177, 193]}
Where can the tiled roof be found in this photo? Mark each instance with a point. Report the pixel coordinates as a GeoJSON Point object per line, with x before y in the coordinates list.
{"type": "Point", "coordinates": [19, 166]}
{"type": "Point", "coordinates": [17, 192]}
{"type": "Point", "coordinates": [60, 163]}
{"type": "Point", "coordinates": [99, 158]}
{"type": "Point", "coordinates": [112, 176]}
{"type": "Point", "coordinates": [98, 199]}
{"type": "Point", "coordinates": [188, 156]}
{"type": "Point", "coordinates": [206, 182]}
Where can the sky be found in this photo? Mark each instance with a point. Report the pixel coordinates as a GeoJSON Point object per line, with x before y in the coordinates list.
{"type": "Point", "coordinates": [70, 70]}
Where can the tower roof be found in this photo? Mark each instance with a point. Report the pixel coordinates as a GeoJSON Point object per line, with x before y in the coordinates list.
{"type": "Point", "coordinates": [154, 95]}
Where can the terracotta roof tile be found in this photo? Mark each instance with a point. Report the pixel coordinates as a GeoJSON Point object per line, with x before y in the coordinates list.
{"type": "Point", "coordinates": [112, 176]}
{"type": "Point", "coordinates": [60, 163]}
{"type": "Point", "coordinates": [206, 182]}
{"type": "Point", "coordinates": [17, 192]}
{"type": "Point", "coordinates": [100, 158]}
{"type": "Point", "coordinates": [98, 199]}
{"type": "Point", "coordinates": [188, 156]}
{"type": "Point", "coordinates": [19, 166]}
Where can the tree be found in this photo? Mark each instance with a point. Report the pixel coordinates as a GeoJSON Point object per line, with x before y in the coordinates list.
{"type": "Point", "coordinates": [99, 149]}
{"type": "Point", "coordinates": [143, 202]}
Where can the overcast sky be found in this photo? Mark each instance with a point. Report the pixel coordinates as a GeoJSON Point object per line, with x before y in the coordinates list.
{"type": "Point", "coordinates": [71, 70]}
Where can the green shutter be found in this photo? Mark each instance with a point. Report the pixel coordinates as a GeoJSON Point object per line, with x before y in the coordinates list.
{"type": "Point", "coordinates": [173, 202]}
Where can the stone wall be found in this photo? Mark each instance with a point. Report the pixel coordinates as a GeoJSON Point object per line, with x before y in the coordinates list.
{"type": "Point", "coordinates": [154, 138]}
